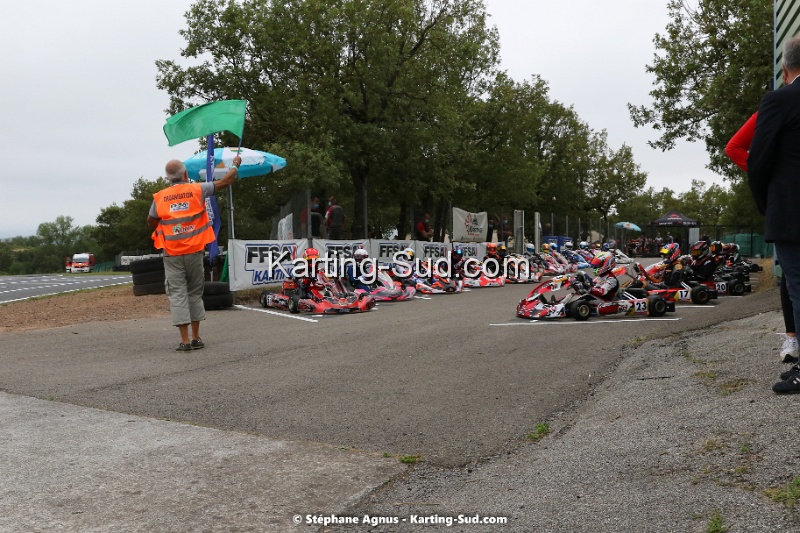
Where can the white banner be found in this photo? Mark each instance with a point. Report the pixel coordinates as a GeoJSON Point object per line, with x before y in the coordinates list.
{"type": "Point", "coordinates": [384, 250]}
{"type": "Point", "coordinates": [472, 249]}
{"type": "Point", "coordinates": [469, 227]}
{"type": "Point", "coordinates": [431, 250]}
{"type": "Point", "coordinates": [340, 249]}
{"type": "Point", "coordinates": [255, 264]}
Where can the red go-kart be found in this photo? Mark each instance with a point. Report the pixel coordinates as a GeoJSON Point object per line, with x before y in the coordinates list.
{"type": "Point", "coordinates": [327, 297]}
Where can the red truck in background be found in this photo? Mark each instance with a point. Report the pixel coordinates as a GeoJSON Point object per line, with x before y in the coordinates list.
{"type": "Point", "coordinates": [83, 262]}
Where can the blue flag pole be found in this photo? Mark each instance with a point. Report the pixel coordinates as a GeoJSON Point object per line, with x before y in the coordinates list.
{"type": "Point", "coordinates": [211, 202]}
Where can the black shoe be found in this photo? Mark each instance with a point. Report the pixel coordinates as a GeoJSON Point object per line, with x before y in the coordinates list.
{"type": "Point", "coordinates": [184, 347]}
{"type": "Point", "coordinates": [790, 386]}
{"type": "Point", "coordinates": [197, 344]}
{"type": "Point", "coordinates": [789, 374]}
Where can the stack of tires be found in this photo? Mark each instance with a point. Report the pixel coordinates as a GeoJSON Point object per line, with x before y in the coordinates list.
{"type": "Point", "coordinates": [148, 278]}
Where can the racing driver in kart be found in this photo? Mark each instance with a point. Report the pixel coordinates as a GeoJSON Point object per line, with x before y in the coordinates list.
{"type": "Point", "coordinates": [605, 284]}
{"type": "Point", "coordinates": [672, 271]}
{"type": "Point", "coordinates": [355, 271]}
{"type": "Point", "coordinates": [308, 282]}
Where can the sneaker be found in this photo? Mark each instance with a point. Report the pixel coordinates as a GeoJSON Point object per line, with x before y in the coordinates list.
{"type": "Point", "coordinates": [789, 350]}
{"type": "Point", "coordinates": [198, 343]}
{"type": "Point", "coordinates": [184, 347]}
{"type": "Point", "coordinates": [790, 386]}
{"type": "Point", "coordinates": [792, 372]}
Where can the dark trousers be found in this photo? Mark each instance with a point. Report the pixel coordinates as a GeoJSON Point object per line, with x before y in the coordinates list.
{"type": "Point", "coordinates": [789, 258]}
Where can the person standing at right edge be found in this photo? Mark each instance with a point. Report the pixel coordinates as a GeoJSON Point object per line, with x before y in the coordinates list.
{"type": "Point", "coordinates": [773, 174]}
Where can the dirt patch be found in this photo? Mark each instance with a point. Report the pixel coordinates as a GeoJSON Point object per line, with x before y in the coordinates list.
{"type": "Point", "coordinates": [95, 305]}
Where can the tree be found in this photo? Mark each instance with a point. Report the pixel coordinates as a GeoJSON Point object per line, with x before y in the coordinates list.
{"type": "Point", "coordinates": [711, 68]}
{"type": "Point", "coordinates": [125, 227]}
{"type": "Point", "coordinates": [378, 85]}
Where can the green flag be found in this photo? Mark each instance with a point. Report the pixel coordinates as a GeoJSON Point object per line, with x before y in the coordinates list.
{"type": "Point", "coordinates": [206, 119]}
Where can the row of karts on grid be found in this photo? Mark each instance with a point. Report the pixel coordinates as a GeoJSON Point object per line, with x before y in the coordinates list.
{"type": "Point", "coordinates": [335, 295]}
{"type": "Point", "coordinates": [708, 272]}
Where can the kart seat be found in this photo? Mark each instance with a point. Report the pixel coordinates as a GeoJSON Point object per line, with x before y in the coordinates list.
{"type": "Point", "coordinates": [637, 292]}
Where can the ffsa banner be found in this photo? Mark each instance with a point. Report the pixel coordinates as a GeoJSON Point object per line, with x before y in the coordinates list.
{"type": "Point", "coordinates": [339, 249]}
{"type": "Point", "coordinates": [255, 264]}
{"type": "Point", "coordinates": [469, 227]}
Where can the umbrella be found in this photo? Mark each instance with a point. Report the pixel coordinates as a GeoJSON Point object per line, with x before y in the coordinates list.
{"type": "Point", "coordinates": [254, 162]}
{"type": "Point", "coordinates": [627, 225]}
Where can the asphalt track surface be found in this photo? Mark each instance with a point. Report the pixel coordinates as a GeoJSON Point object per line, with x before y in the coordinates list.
{"type": "Point", "coordinates": [18, 288]}
{"type": "Point", "coordinates": [450, 378]}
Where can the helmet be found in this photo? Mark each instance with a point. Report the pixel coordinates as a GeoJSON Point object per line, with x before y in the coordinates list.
{"type": "Point", "coordinates": [491, 248]}
{"type": "Point", "coordinates": [310, 253]}
{"type": "Point", "coordinates": [409, 253]}
{"type": "Point", "coordinates": [606, 247]}
{"type": "Point", "coordinates": [502, 250]}
{"type": "Point", "coordinates": [568, 245]}
{"type": "Point", "coordinates": [553, 247]}
{"type": "Point", "coordinates": [604, 263]}
{"type": "Point", "coordinates": [671, 252]}
{"type": "Point", "coordinates": [457, 252]}
{"type": "Point", "coordinates": [584, 245]}
{"type": "Point", "coordinates": [545, 247]}
{"type": "Point", "coordinates": [360, 254]}
{"type": "Point", "coordinates": [716, 248]}
{"type": "Point", "coordinates": [700, 249]}
{"type": "Point", "coordinates": [530, 248]}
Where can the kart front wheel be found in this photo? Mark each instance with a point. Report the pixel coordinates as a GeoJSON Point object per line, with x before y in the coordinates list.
{"type": "Point", "coordinates": [736, 288]}
{"type": "Point", "coordinates": [294, 304]}
{"type": "Point", "coordinates": [580, 310]}
{"type": "Point", "coordinates": [657, 306]}
{"type": "Point", "coordinates": [700, 295]}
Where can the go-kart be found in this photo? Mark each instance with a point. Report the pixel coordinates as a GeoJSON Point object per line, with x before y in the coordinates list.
{"type": "Point", "coordinates": [328, 297]}
{"type": "Point", "coordinates": [688, 291]}
{"type": "Point", "coordinates": [580, 304]}
{"type": "Point", "coordinates": [522, 270]}
{"type": "Point", "coordinates": [437, 285]}
{"type": "Point", "coordinates": [385, 289]}
{"type": "Point", "coordinates": [718, 284]}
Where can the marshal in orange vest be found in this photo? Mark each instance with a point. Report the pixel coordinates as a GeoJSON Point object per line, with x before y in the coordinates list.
{"type": "Point", "coordinates": [184, 226]}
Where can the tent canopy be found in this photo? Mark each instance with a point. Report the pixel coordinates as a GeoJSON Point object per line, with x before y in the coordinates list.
{"type": "Point", "coordinates": [674, 218]}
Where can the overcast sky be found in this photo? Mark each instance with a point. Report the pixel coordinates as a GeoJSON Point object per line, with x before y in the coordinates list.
{"type": "Point", "coordinates": [82, 118]}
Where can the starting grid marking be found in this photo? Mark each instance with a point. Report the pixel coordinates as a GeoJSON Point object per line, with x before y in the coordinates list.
{"type": "Point", "coordinates": [276, 313]}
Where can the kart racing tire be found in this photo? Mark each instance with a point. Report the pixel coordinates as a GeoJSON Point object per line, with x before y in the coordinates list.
{"type": "Point", "coordinates": [152, 276]}
{"type": "Point", "coordinates": [150, 264]}
{"type": "Point", "coordinates": [580, 310]}
{"type": "Point", "coordinates": [211, 288]}
{"type": "Point", "coordinates": [736, 288]}
{"type": "Point", "coordinates": [149, 288]}
{"type": "Point", "coordinates": [294, 304]}
{"type": "Point", "coordinates": [700, 295]}
{"type": "Point", "coordinates": [218, 301]}
{"type": "Point", "coordinates": [262, 299]}
{"type": "Point", "coordinates": [656, 305]}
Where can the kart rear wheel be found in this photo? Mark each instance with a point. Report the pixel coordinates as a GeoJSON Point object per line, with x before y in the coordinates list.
{"type": "Point", "coordinates": [700, 295]}
{"type": "Point", "coordinates": [262, 299]}
{"type": "Point", "coordinates": [294, 304]}
{"type": "Point", "coordinates": [736, 288]}
{"type": "Point", "coordinates": [580, 310]}
{"type": "Point", "coordinates": [656, 305]}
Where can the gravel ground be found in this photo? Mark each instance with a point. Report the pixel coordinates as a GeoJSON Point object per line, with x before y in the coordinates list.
{"type": "Point", "coordinates": [685, 435]}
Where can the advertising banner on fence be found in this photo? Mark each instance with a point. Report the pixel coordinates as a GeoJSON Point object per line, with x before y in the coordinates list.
{"type": "Point", "coordinates": [472, 249]}
{"type": "Point", "coordinates": [340, 249]}
{"type": "Point", "coordinates": [431, 250]}
{"type": "Point", "coordinates": [257, 264]}
{"type": "Point", "coordinates": [384, 250]}
{"type": "Point", "coordinates": [469, 227]}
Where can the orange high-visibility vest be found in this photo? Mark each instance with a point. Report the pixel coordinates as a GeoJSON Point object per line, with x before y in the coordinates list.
{"type": "Point", "coordinates": [184, 226]}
